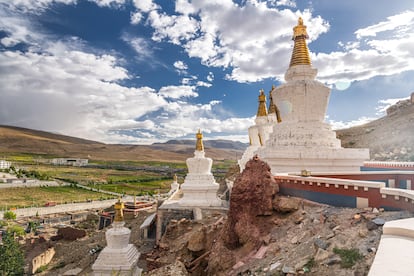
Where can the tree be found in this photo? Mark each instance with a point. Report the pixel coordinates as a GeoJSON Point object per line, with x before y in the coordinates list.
{"type": "Point", "coordinates": [9, 215]}
{"type": "Point", "coordinates": [16, 230]}
{"type": "Point", "coordinates": [11, 256]}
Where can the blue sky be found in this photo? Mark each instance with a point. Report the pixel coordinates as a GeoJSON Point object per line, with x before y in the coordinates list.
{"type": "Point", "coordinates": [143, 71]}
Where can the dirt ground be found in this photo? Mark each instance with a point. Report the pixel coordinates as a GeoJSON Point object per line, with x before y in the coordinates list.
{"type": "Point", "coordinates": [298, 243]}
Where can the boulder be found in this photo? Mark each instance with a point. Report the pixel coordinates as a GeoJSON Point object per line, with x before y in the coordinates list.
{"type": "Point", "coordinates": [197, 241]}
{"type": "Point", "coordinates": [252, 196]}
{"type": "Point", "coordinates": [286, 204]}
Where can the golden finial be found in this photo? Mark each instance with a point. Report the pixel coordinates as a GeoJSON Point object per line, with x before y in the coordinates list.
{"type": "Point", "coordinates": [199, 143]}
{"type": "Point", "coordinates": [175, 177]}
{"type": "Point", "coordinates": [261, 111]}
{"type": "Point", "coordinates": [300, 54]}
{"type": "Point", "coordinates": [272, 106]}
{"type": "Point", "coordinates": [119, 215]}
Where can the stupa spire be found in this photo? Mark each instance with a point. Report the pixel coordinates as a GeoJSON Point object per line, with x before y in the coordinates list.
{"type": "Point", "coordinates": [300, 54]}
{"type": "Point", "coordinates": [119, 214]}
{"type": "Point", "coordinates": [199, 143]}
{"type": "Point", "coordinates": [261, 110]}
{"type": "Point", "coordinates": [272, 106]}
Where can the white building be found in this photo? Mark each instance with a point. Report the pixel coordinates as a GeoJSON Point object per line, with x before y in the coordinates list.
{"type": "Point", "coordinates": [76, 162]}
{"type": "Point", "coordinates": [4, 164]}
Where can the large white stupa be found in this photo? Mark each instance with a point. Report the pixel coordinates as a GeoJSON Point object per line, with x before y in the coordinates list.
{"type": "Point", "coordinates": [302, 140]}
{"type": "Point", "coordinates": [199, 188]}
{"type": "Point", "coordinates": [119, 257]}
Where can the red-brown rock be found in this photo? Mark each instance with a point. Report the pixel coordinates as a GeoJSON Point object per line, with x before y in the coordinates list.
{"type": "Point", "coordinates": [252, 196]}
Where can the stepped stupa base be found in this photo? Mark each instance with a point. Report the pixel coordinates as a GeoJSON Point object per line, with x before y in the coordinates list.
{"type": "Point", "coordinates": [315, 160]}
{"type": "Point", "coordinates": [114, 261]}
{"type": "Point", "coordinates": [200, 190]}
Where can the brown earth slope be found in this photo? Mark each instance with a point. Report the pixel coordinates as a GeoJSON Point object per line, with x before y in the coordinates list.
{"type": "Point", "coordinates": [388, 138]}
{"type": "Point", "coordinates": [23, 140]}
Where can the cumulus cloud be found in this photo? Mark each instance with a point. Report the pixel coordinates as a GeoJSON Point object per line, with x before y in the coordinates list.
{"type": "Point", "coordinates": [176, 92]}
{"type": "Point", "coordinates": [343, 125]}
{"type": "Point", "coordinates": [240, 37]}
{"type": "Point", "coordinates": [370, 55]}
{"type": "Point", "coordinates": [65, 86]}
{"type": "Point", "coordinates": [392, 23]}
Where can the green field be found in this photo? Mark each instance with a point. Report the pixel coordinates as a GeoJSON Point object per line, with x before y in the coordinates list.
{"type": "Point", "coordinates": [39, 196]}
{"type": "Point", "coordinates": [127, 177]}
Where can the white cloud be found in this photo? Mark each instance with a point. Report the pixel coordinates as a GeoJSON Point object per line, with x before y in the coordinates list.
{"type": "Point", "coordinates": [175, 28]}
{"type": "Point", "coordinates": [242, 37]}
{"type": "Point", "coordinates": [145, 5]}
{"type": "Point", "coordinates": [210, 76]}
{"type": "Point", "coordinates": [203, 83]}
{"type": "Point", "coordinates": [141, 46]}
{"type": "Point", "coordinates": [383, 105]}
{"type": "Point", "coordinates": [342, 125]}
{"type": "Point", "coordinates": [32, 5]}
{"type": "Point", "coordinates": [179, 64]}
{"type": "Point", "coordinates": [288, 3]}
{"type": "Point", "coordinates": [371, 54]}
{"type": "Point", "coordinates": [108, 3]}
{"type": "Point", "coordinates": [392, 23]}
{"type": "Point", "coordinates": [136, 18]}
{"type": "Point", "coordinates": [176, 92]}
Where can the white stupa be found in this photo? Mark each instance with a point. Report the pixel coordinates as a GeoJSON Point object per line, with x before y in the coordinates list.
{"type": "Point", "coordinates": [119, 257]}
{"type": "Point", "coordinates": [199, 188]}
{"type": "Point", "coordinates": [174, 186]}
{"type": "Point", "coordinates": [261, 130]}
{"type": "Point", "coordinates": [303, 141]}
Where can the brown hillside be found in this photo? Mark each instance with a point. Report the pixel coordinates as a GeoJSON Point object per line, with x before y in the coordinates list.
{"type": "Point", "coordinates": [23, 140]}
{"type": "Point", "coordinates": [388, 138]}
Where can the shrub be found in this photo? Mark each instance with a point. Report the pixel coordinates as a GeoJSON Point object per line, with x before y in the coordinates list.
{"type": "Point", "coordinates": [348, 256]}
{"type": "Point", "coordinates": [9, 215]}
{"type": "Point", "coordinates": [16, 230]}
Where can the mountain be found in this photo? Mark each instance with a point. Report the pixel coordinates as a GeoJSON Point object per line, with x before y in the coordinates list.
{"type": "Point", "coordinates": [23, 140]}
{"type": "Point", "coordinates": [390, 138]}
{"type": "Point", "coordinates": [217, 144]}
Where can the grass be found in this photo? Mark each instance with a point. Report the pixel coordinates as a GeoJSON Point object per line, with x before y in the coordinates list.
{"type": "Point", "coordinates": [348, 256]}
{"type": "Point", "coordinates": [129, 177]}
{"type": "Point", "coordinates": [39, 196]}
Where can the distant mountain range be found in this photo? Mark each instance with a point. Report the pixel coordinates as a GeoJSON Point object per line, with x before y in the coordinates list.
{"type": "Point", "coordinates": [23, 140]}
{"type": "Point", "coordinates": [388, 138]}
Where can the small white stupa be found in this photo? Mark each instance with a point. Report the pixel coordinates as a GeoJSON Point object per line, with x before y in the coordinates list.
{"type": "Point", "coordinates": [174, 186]}
{"type": "Point", "coordinates": [303, 141]}
{"type": "Point", "coordinates": [261, 130]}
{"type": "Point", "coordinates": [119, 257]}
{"type": "Point", "coordinates": [199, 188]}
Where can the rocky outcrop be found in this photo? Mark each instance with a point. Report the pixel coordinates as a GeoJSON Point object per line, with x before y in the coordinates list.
{"type": "Point", "coordinates": [252, 196]}
{"type": "Point", "coordinates": [247, 226]}
{"type": "Point", "coordinates": [388, 138]}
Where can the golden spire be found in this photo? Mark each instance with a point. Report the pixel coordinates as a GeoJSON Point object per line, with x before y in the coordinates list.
{"type": "Point", "coordinates": [119, 215]}
{"type": "Point", "coordinates": [300, 54]}
{"type": "Point", "coordinates": [261, 111]}
{"type": "Point", "coordinates": [199, 143]}
{"type": "Point", "coordinates": [272, 106]}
